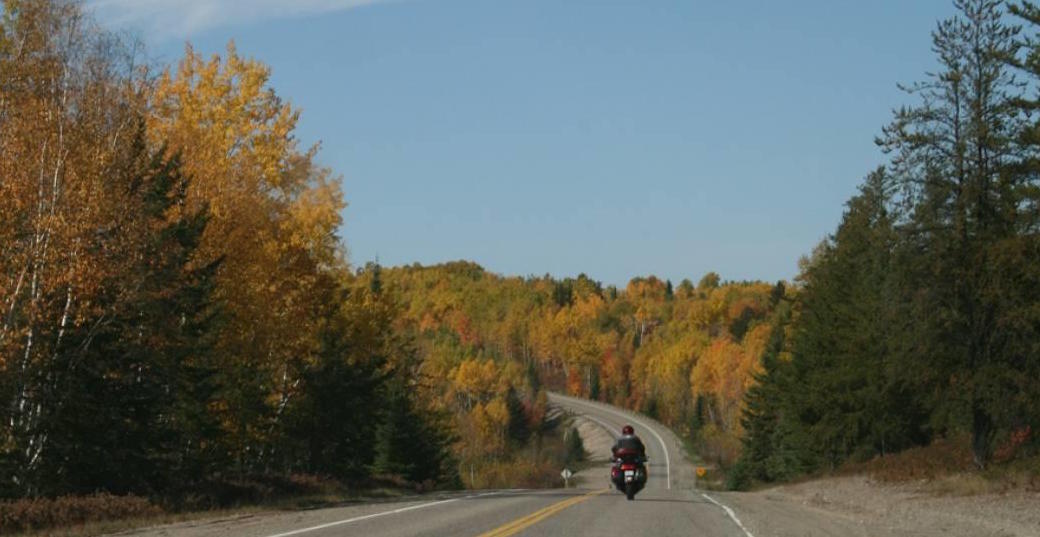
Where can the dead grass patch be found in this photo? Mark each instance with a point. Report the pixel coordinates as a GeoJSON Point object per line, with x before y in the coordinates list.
{"type": "Point", "coordinates": [34, 514]}
{"type": "Point", "coordinates": [946, 468]}
{"type": "Point", "coordinates": [939, 459]}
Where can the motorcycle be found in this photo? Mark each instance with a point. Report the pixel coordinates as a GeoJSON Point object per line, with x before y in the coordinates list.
{"type": "Point", "coordinates": [629, 474]}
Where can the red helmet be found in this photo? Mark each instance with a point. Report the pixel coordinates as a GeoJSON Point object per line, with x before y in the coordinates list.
{"type": "Point", "coordinates": [627, 429]}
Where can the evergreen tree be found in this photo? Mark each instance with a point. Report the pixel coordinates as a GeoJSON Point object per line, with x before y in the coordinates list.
{"type": "Point", "coordinates": [132, 413]}
{"type": "Point", "coordinates": [952, 154]}
{"type": "Point", "coordinates": [406, 444]}
{"type": "Point", "coordinates": [842, 349]}
{"type": "Point", "coordinates": [774, 439]}
{"type": "Point", "coordinates": [335, 418]}
{"type": "Point", "coordinates": [519, 430]}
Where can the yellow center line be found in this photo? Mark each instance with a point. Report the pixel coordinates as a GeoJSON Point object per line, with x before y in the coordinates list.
{"type": "Point", "coordinates": [525, 522]}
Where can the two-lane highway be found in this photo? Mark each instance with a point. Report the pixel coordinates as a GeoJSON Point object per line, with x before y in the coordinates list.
{"type": "Point", "coordinates": [669, 505]}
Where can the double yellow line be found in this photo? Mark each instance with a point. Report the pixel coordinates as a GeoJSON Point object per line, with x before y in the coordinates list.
{"type": "Point", "coordinates": [523, 523]}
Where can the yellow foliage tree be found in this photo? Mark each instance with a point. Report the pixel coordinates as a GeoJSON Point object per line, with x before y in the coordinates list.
{"type": "Point", "coordinates": [274, 217]}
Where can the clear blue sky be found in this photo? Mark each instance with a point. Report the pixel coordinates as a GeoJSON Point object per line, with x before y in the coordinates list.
{"type": "Point", "coordinates": [616, 138]}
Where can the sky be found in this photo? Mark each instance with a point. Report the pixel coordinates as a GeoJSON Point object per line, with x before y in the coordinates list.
{"type": "Point", "coordinates": [612, 138]}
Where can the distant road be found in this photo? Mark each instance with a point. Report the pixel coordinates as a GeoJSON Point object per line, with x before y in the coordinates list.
{"type": "Point", "coordinates": [669, 506]}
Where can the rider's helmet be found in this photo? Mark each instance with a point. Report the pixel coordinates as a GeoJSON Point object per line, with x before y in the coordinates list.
{"type": "Point", "coordinates": [627, 429]}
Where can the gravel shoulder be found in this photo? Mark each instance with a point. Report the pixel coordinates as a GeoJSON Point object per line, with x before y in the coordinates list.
{"type": "Point", "coordinates": [857, 506]}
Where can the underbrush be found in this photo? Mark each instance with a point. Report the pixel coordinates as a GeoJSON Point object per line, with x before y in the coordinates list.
{"type": "Point", "coordinates": [27, 515]}
{"type": "Point", "coordinates": [100, 513]}
{"type": "Point", "coordinates": [517, 474]}
{"type": "Point", "coordinates": [940, 458]}
{"type": "Point", "coordinates": [536, 465]}
{"type": "Point", "coordinates": [946, 467]}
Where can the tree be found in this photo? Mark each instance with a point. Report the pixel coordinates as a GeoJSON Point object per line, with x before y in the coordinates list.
{"type": "Point", "coordinates": [405, 444]}
{"type": "Point", "coordinates": [1018, 256]}
{"type": "Point", "coordinates": [68, 111]}
{"type": "Point", "coordinates": [274, 217]}
{"type": "Point", "coordinates": [133, 412]}
{"type": "Point", "coordinates": [775, 441]}
{"type": "Point", "coordinates": [846, 349]}
{"type": "Point", "coordinates": [709, 281]}
{"type": "Point", "coordinates": [951, 157]}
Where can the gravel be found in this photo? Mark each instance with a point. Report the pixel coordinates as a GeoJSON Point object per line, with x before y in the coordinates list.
{"type": "Point", "coordinates": [857, 506]}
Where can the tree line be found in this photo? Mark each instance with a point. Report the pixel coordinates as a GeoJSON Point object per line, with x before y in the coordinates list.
{"type": "Point", "coordinates": [488, 346]}
{"type": "Point", "coordinates": [175, 307]}
{"type": "Point", "coordinates": [917, 319]}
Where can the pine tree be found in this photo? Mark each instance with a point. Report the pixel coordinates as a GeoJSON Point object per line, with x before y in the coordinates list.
{"type": "Point", "coordinates": [952, 154]}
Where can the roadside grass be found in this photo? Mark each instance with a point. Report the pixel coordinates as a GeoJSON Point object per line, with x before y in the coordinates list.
{"type": "Point", "coordinates": [942, 457]}
{"type": "Point", "coordinates": [535, 464]}
{"type": "Point", "coordinates": [81, 516]}
{"type": "Point", "coordinates": [943, 468]}
{"type": "Point", "coordinates": [118, 525]}
{"type": "Point", "coordinates": [946, 468]}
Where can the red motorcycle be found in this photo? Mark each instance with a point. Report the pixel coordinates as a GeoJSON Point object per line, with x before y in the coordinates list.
{"type": "Point", "coordinates": [629, 473]}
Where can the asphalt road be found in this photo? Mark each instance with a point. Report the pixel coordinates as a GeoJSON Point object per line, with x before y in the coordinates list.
{"type": "Point", "coordinates": [669, 505]}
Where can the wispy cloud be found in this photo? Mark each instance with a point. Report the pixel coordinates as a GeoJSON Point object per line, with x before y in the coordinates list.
{"type": "Point", "coordinates": [162, 19]}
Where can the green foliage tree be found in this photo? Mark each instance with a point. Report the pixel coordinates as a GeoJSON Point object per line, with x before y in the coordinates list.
{"type": "Point", "coordinates": [913, 321]}
{"type": "Point", "coordinates": [575, 446]}
{"type": "Point", "coordinates": [405, 443]}
{"type": "Point", "coordinates": [951, 156]}
{"type": "Point", "coordinates": [131, 414]}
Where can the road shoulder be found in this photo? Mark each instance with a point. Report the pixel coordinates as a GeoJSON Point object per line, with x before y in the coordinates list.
{"type": "Point", "coordinates": [857, 506]}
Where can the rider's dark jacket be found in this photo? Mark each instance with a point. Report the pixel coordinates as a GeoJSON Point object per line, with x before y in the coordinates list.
{"type": "Point", "coordinates": [629, 443]}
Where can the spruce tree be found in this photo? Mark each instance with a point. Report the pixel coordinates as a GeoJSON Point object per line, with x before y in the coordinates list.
{"type": "Point", "coordinates": [132, 414]}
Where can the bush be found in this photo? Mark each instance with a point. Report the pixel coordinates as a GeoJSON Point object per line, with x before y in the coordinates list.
{"type": "Point", "coordinates": [941, 458]}
{"type": "Point", "coordinates": [251, 490]}
{"type": "Point", "coordinates": [517, 473]}
{"type": "Point", "coordinates": [575, 447]}
{"type": "Point", "coordinates": [738, 477]}
{"type": "Point", "coordinates": [27, 515]}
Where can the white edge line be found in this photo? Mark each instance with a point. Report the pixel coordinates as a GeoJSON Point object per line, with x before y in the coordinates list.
{"type": "Point", "coordinates": [384, 513]}
{"type": "Point", "coordinates": [667, 460]}
{"type": "Point", "coordinates": [729, 512]}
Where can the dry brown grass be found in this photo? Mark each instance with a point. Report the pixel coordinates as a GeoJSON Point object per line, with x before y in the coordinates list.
{"type": "Point", "coordinates": [942, 458]}
{"type": "Point", "coordinates": [946, 468]}
{"type": "Point", "coordinates": [80, 516]}
{"type": "Point", "coordinates": [28, 515]}
{"type": "Point", "coordinates": [515, 474]}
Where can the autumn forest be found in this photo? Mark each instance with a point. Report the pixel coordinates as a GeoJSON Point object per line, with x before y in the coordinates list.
{"type": "Point", "coordinates": [178, 316]}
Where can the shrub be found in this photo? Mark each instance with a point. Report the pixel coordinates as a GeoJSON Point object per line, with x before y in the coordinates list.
{"type": "Point", "coordinates": [738, 477]}
{"type": "Point", "coordinates": [575, 447]}
{"type": "Point", "coordinates": [34, 514]}
{"type": "Point", "coordinates": [942, 457]}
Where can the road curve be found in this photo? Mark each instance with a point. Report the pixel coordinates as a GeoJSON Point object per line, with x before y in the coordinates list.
{"type": "Point", "coordinates": [670, 504]}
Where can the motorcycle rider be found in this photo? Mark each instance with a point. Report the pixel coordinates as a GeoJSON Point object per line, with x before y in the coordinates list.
{"type": "Point", "coordinates": [628, 448]}
{"type": "Point", "coordinates": [629, 444]}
